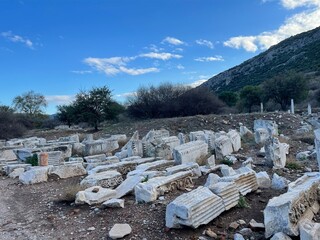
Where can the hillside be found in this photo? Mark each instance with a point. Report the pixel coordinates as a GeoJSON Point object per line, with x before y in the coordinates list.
{"type": "Point", "coordinates": [300, 53]}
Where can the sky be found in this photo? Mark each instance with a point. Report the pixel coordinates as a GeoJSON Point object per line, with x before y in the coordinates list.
{"type": "Point", "coordinates": [61, 47]}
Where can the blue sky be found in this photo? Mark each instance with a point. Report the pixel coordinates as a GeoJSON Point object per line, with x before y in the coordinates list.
{"type": "Point", "coordinates": [60, 47]}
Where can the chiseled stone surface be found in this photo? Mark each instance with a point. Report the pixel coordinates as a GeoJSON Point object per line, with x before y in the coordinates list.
{"type": "Point", "coordinates": [223, 146]}
{"type": "Point", "coordinates": [68, 170]}
{"type": "Point", "coordinates": [16, 172]}
{"type": "Point", "coordinates": [309, 230]}
{"type": "Point", "coordinates": [194, 167]}
{"type": "Point", "coordinates": [150, 190]}
{"type": "Point", "coordinates": [317, 144]}
{"type": "Point", "coordinates": [285, 212]}
{"type": "Point", "coordinates": [34, 175]}
{"type": "Point", "coordinates": [107, 179]}
{"type": "Point", "coordinates": [280, 236]}
{"type": "Point", "coordinates": [263, 180]}
{"type": "Point", "coordinates": [94, 195]}
{"type": "Point", "coordinates": [190, 152]}
{"type": "Point", "coordinates": [235, 140]}
{"type": "Point", "coordinates": [228, 192]}
{"type": "Point", "coordinates": [127, 186]}
{"type": "Point", "coordinates": [193, 209]}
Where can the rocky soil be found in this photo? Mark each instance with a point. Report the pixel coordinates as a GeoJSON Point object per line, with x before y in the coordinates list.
{"type": "Point", "coordinates": [46, 210]}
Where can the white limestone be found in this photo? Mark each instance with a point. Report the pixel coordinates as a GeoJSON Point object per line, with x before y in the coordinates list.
{"type": "Point", "coordinates": [212, 179]}
{"type": "Point", "coordinates": [194, 167]}
{"type": "Point", "coordinates": [317, 145]}
{"type": "Point", "coordinates": [285, 212]}
{"type": "Point", "coordinates": [280, 236]}
{"type": "Point", "coordinates": [245, 132]}
{"type": "Point", "coordinates": [100, 146]}
{"type": "Point", "coordinates": [107, 179]}
{"type": "Point", "coordinates": [245, 180]}
{"type": "Point", "coordinates": [276, 153]}
{"type": "Point", "coordinates": [34, 175]}
{"type": "Point", "coordinates": [269, 125]}
{"type": "Point", "coordinates": [223, 146]}
{"type": "Point", "coordinates": [94, 195]}
{"type": "Point", "coordinates": [263, 180]}
{"type": "Point", "coordinates": [9, 168]}
{"type": "Point", "coordinates": [228, 191]}
{"type": "Point", "coordinates": [114, 203]}
{"type": "Point", "coordinates": [235, 140]}
{"type": "Point", "coordinates": [261, 135]}
{"type": "Point", "coordinates": [68, 170]}
{"type": "Point", "coordinates": [309, 230]}
{"type": "Point", "coordinates": [127, 186]}
{"type": "Point", "coordinates": [193, 209]}
{"type": "Point", "coordinates": [279, 182]}
{"type": "Point", "coordinates": [16, 172]}
{"type": "Point", "coordinates": [119, 231]}
{"type": "Point", "coordinates": [190, 152]}
{"type": "Point", "coordinates": [227, 171]}
{"type": "Point", "coordinates": [150, 190]}
{"type": "Point", "coordinates": [95, 158]}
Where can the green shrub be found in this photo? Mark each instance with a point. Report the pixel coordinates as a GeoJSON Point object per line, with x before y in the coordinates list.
{"type": "Point", "coordinates": [243, 202]}
{"type": "Point", "coordinates": [33, 160]}
{"type": "Point", "coordinates": [226, 162]}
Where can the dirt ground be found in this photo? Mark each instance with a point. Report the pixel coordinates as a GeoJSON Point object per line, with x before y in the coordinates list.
{"type": "Point", "coordinates": [41, 211]}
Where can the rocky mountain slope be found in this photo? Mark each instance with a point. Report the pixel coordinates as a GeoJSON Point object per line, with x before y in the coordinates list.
{"type": "Point", "coordinates": [300, 53]}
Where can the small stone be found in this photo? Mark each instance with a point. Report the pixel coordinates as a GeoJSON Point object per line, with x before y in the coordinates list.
{"type": "Point", "coordinates": [91, 229]}
{"type": "Point", "coordinates": [95, 190]}
{"type": "Point", "coordinates": [280, 236]}
{"type": "Point", "coordinates": [238, 236]}
{"type": "Point", "coordinates": [245, 232]}
{"type": "Point", "coordinates": [234, 225]}
{"type": "Point", "coordinates": [211, 233]}
{"type": "Point", "coordinates": [255, 225]}
{"type": "Point", "coordinates": [119, 231]}
{"type": "Point", "coordinates": [241, 222]}
{"type": "Point", "coordinates": [114, 203]}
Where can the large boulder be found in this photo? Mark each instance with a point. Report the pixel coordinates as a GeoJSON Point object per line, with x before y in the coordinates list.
{"type": "Point", "coordinates": [94, 195]}
{"type": "Point", "coordinates": [34, 175]}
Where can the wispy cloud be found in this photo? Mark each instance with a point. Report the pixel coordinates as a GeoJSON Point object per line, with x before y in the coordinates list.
{"type": "Point", "coordinates": [204, 42]}
{"type": "Point", "coordinates": [115, 65]}
{"type": "Point", "coordinates": [154, 48]}
{"type": "Point", "coordinates": [60, 99]}
{"type": "Point", "coordinates": [209, 59]}
{"type": "Point", "coordinates": [17, 39]}
{"type": "Point", "coordinates": [180, 67]}
{"type": "Point", "coordinates": [81, 72]}
{"type": "Point", "coordinates": [128, 94]}
{"type": "Point", "coordinates": [300, 22]}
{"type": "Point", "coordinates": [196, 83]}
{"type": "Point", "coordinates": [173, 41]}
{"type": "Point", "coordinates": [161, 56]}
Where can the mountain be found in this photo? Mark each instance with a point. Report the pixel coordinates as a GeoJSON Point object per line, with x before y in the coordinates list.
{"type": "Point", "coordinates": [300, 53]}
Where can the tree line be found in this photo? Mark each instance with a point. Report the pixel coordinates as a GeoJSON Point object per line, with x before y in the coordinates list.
{"type": "Point", "coordinates": [163, 101]}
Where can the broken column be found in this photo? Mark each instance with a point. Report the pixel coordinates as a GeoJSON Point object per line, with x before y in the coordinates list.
{"type": "Point", "coordinates": [276, 153]}
{"type": "Point", "coordinates": [193, 209]}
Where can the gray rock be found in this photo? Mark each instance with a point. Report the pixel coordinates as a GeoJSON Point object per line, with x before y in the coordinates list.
{"type": "Point", "coordinates": [16, 172]}
{"type": "Point", "coordinates": [280, 236]}
{"type": "Point", "coordinates": [114, 203]}
{"type": "Point", "coordinates": [279, 182]}
{"type": "Point", "coordinates": [238, 236]}
{"type": "Point", "coordinates": [119, 231]}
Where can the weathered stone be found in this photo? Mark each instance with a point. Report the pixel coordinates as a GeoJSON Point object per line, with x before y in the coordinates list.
{"type": "Point", "coordinates": [263, 180]}
{"type": "Point", "coordinates": [68, 170]}
{"type": "Point", "coordinates": [78, 149]}
{"type": "Point", "coordinates": [114, 203]}
{"type": "Point", "coordinates": [155, 135]}
{"type": "Point", "coordinates": [309, 230]}
{"type": "Point", "coordinates": [235, 140]}
{"type": "Point", "coordinates": [228, 192]}
{"type": "Point", "coordinates": [193, 209]}
{"type": "Point", "coordinates": [223, 146]}
{"type": "Point", "coordinates": [238, 236]}
{"type": "Point", "coordinates": [245, 231]}
{"type": "Point", "coordinates": [127, 186]}
{"type": "Point", "coordinates": [100, 146]}
{"type": "Point", "coordinates": [150, 190]}
{"type": "Point", "coordinates": [276, 153]}
{"type": "Point", "coordinates": [182, 138]}
{"type": "Point", "coordinates": [212, 179]}
{"type": "Point", "coordinates": [280, 236]}
{"type": "Point", "coordinates": [278, 182]}
{"type": "Point", "coordinates": [11, 167]}
{"type": "Point", "coordinates": [194, 167]}
{"type": "Point", "coordinates": [211, 162]}
{"type": "Point", "coordinates": [234, 225]}
{"type": "Point", "coordinates": [119, 231]}
{"type": "Point", "coordinates": [245, 132]}
{"type": "Point", "coordinates": [155, 165]}
{"type": "Point", "coordinates": [95, 158]}
{"type": "Point", "coordinates": [302, 156]}
{"type": "Point", "coordinates": [8, 155]}
{"type": "Point", "coordinates": [75, 160]}
{"type": "Point", "coordinates": [253, 224]}
{"type": "Point", "coordinates": [247, 163]}
{"type": "Point", "coordinates": [227, 171]}
{"type": "Point", "coordinates": [285, 212]}
{"type": "Point", "coordinates": [54, 158]}
{"type": "Point", "coordinates": [34, 175]}
{"type": "Point", "coordinates": [107, 179]}
{"type": "Point", "coordinates": [317, 145]}
{"type": "Point", "coordinates": [16, 172]}
{"type": "Point", "coordinates": [190, 152]}
{"type": "Point", "coordinates": [261, 135]}
{"type": "Point", "coordinates": [135, 148]}
{"type": "Point", "coordinates": [269, 125]}
{"type": "Point", "coordinates": [94, 195]}
{"type": "Point", "coordinates": [245, 180]}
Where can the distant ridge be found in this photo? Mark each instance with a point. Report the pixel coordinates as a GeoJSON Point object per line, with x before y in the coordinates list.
{"type": "Point", "coordinates": [300, 53]}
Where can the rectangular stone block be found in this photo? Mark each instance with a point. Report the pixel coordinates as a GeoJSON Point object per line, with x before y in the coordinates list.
{"type": "Point", "coordinates": [190, 152]}
{"type": "Point", "coordinates": [193, 209]}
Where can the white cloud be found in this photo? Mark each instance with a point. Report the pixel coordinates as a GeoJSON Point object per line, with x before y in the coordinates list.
{"type": "Point", "coordinates": [17, 39]}
{"type": "Point", "coordinates": [154, 48]}
{"type": "Point", "coordinates": [81, 72]}
{"type": "Point", "coordinates": [298, 23]}
{"type": "Point", "coordinates": [209, 59]}
{"type": "Point", "coordinates": [60, 99]}
{"type": "Point", "coordinates": [172, 41]}
{"type": "Point", "coordinates": [196, 83]}
{"type": "Point", "coordinates": [115, 65]}
{"type": "Point", "coordinates": [204, 42]}
{"type": "Point", "coordinates": [138, 71]}
{"type": "Point", "coordinates": [128, 94]}
{"type": "Point", "coordinates": [161, 56]}
{"type": "Point", "coordinates": [180, 67]}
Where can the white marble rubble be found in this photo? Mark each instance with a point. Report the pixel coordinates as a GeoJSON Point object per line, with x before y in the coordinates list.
{"type": "Point", "coordinates": [94, 195]}
{"type": "Point", "coordinates": [228, 191]}
{"type": "Point", "coordinates": [190, 152]}
{"type": "Point", "coordinates": [223, 146]}
{"type": "Point", "coordinates": [68, 170]}
{"type": "Point", "coordinates": [276, 153]}
{"type": "Point", "coordinates": [106, 179]}
{"type": "Point", "coordinates": [193, 209]}
{"type": "Point", "coordinates": [34, 175]}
